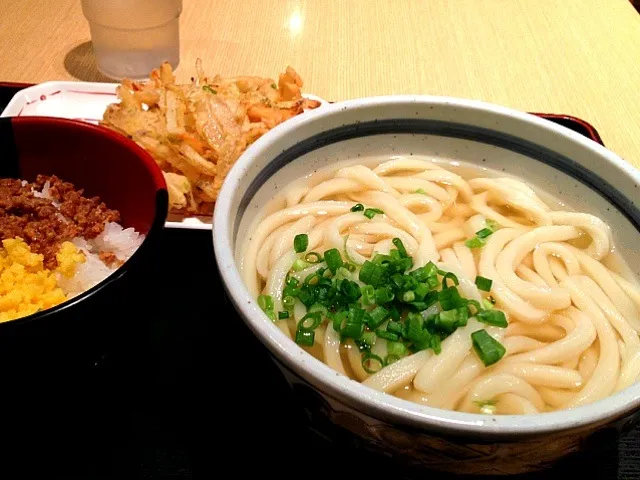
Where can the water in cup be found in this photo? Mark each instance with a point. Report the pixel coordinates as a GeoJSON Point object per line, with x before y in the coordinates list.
{"type": "Point", "coordinates": [132, 37]}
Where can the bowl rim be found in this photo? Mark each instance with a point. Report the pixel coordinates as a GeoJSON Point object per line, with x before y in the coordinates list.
{"type": "Point", "coordinates": [362, 398]}
{"type": "Point", "coordinates": [161, 211]}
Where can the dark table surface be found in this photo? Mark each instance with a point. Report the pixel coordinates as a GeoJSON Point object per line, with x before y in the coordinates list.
{"type": "Point", "coordinates": [177, 404]}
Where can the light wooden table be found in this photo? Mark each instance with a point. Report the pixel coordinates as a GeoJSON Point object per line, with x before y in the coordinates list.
{"type": "Point", "coordinates": [580, 57]}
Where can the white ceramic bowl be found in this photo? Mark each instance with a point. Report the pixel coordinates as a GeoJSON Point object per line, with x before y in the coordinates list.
{"type": "Point", "coordinates": [544, 154]}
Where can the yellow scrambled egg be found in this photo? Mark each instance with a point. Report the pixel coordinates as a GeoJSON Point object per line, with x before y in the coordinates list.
{"type": "Point", "coordinates": [25, 285]}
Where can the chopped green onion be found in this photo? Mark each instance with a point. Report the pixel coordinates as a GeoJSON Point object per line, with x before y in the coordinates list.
{"type": "Point", "coordinates": [450, 320]}
{"type": "Point", "coordinates": [283, 315]}
{"type": "Point", "coordinates": [387, 335]}
{"type": "Point", "coordinates": [300, 242]}
{"type": "Point", "coordinates": [424, 274]}
{"type": "Point", "coordinates": [421, 291]}
{"type": "Point", "coordinates": [368, 295]}
{"type": "Point", "coordinates": [350, 289]}
{"type": "Point", "coordinates": [313, 278]}
{"type": "Point", "coordinates": [350, 267]}
{"type": "Point", "coordinates": [265, 302]}
{"type": "Point", "coordinates": [493, 317]}
{"type": "Point", "coordinates": [358, 207]}
{"type": "Point", "coordinates": [333, 259]}
{"type": "Point", "coordinates": [449, 276]}
{"type": "Point", "coordinates": [397, 348]}
{"type": "Point", "coordinates": [489, 350]}
{"type": "Point", "coordinates": [475, 242]}
{"type": "Point", "coordinates": [306, 298]}
{"type": "Point", "coordinates": [483, 283]}
{"type": "Point", "coordinates": [304, 337]}
{"type": "Point", "coordinates": [384, 295]}
{"type": "Point", "coordinates": [313, 257]}
{"type": "Point", "coordinates": [299, 264]}
{"type": "Point", "coordinates": [486, 303]}
{"type": "Point", "coordinates": [408, 297]}
{"type": "Point", "coordinates": [372, 274]}
{"type": "Point", "coordinates": [377, 316]}
{"type": "Point", "coordinates": [288, 302]}
{"type": "Point", "coordinates": [314, 317]}
{"type": "Point", "coordinates": [316, 307]}
{"type": "Point", "coordinates": [352, 330]}
{"type": "Point", "coordinates": [339, 320]}
{"type": "Point", "coordinates": [492, 224]}
{"type": "Point", "coordinates": [395, 327]}
{"type": "Point", "coordinates": [207, 88]}
{"type": "Point", "coordinates": [356, 315]}
{"type": "Point", "coordinates": [436, 344]}
{"type": "Point", "coordinates": [475, 304]}
{"type": "Point", "coordinates": [391, 358]}
{"type": "Point", "coordinates": [423, 340]}
{"type": "Point", "coordinates": [421, 191]}
{"type": "Point", "coordinates": [400, 246]}
{"type": "Point", "coordinates": [369, 339]}
{"type": "Point", "coordinates": [372, 212]}
{"type": "Point", "coordinates": [430, 299]}
{"type": "Point", "coordinates": [371, 363]}
{"type": "Point", "coordinates": [413, 326]}
{"type": "Point", "coordinates": [450, 298]}
{"type": "Point", "coordinates": [341, 274]}
{"type": "Point", "coordinates": [484, 233]}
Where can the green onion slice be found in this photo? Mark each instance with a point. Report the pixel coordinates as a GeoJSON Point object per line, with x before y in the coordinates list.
{"type": "Point", "coordinates": [400, 246]}
{"type": "Point", "coordinates": [390, 358]}
{"type": "Point", "coordinates": [484, 233]}
{"type": "Point", "coordinates": [492, 224]}
{"type": "Point", "coordinates": [358, 207]}
{"type": "Point", "coordinates": [483, 283]}
{"type": "Point", "coordinates": [475, 242]}
{"type": "Point", "coordinates": [333, 259]}
{"type": "Point", "coordinates": [288, 302]}
{"type": "Point", "coordinates": [377, 316]}
{"type": "Point", "coordinates": [304, 337]}
{"type": "Point", "coordinates": [368, 295]}
{"type": "Point", "coordinates": [300, 242]}
{"type": "Point", "coordinates": [265, 302]}
{"type": "Point", "coordinates": [449, 276]}
{"type": "Point", "coordinates": [310, 321]}
{"type": "Point", "coordinates": [489, 350]}
{"type": "Point", "coordinates": [371, 363]}
{"type": "Point", "coordinates": [313, 257]}
{"type": "Point", "coordinates": [493, 317]}
{"type": "Point", "coordinates": [372, 212]}
{"type": "Point", "coordinates": [387, 335]}
{"type": "Point", "coordinates": [398, 349]}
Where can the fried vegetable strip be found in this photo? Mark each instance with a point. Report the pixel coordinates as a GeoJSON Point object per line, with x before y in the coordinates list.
{"type": "Point", "coordinates": [196, 131]}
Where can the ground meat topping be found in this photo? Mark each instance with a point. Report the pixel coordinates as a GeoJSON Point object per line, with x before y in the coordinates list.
{"type": "Point", "coordinates": [45, 223]}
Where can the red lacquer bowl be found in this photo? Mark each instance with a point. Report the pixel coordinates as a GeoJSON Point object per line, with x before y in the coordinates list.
{"type": "Point", "coordinates": [126, 178]}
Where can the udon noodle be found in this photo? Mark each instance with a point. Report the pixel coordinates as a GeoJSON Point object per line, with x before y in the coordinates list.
{"type": "Point", "coordinates": [573, 323]}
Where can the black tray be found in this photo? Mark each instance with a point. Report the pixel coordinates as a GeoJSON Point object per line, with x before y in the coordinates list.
{"type": "Point", "coordinates": [165, 407]}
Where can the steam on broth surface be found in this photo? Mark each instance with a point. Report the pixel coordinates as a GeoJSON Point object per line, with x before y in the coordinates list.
{"type": "Point", "coordinates": [447, 287]}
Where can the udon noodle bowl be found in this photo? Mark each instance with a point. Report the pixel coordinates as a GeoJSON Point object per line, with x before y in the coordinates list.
{"type": "Point", "coordinates": [56, 244]}
{"type": "Point", "coordinates": [455, 288]}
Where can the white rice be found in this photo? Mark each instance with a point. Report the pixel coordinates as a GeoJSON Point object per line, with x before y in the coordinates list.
{"type": "Point", "coordinates": [121, 242]}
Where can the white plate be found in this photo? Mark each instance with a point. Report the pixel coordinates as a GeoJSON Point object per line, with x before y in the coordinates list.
{"type": "Point", "coordinates": [85, 101]}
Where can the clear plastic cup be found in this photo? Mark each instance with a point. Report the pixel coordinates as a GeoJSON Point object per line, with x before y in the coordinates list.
{"type": "Point", "coordinates": [132, 37]}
